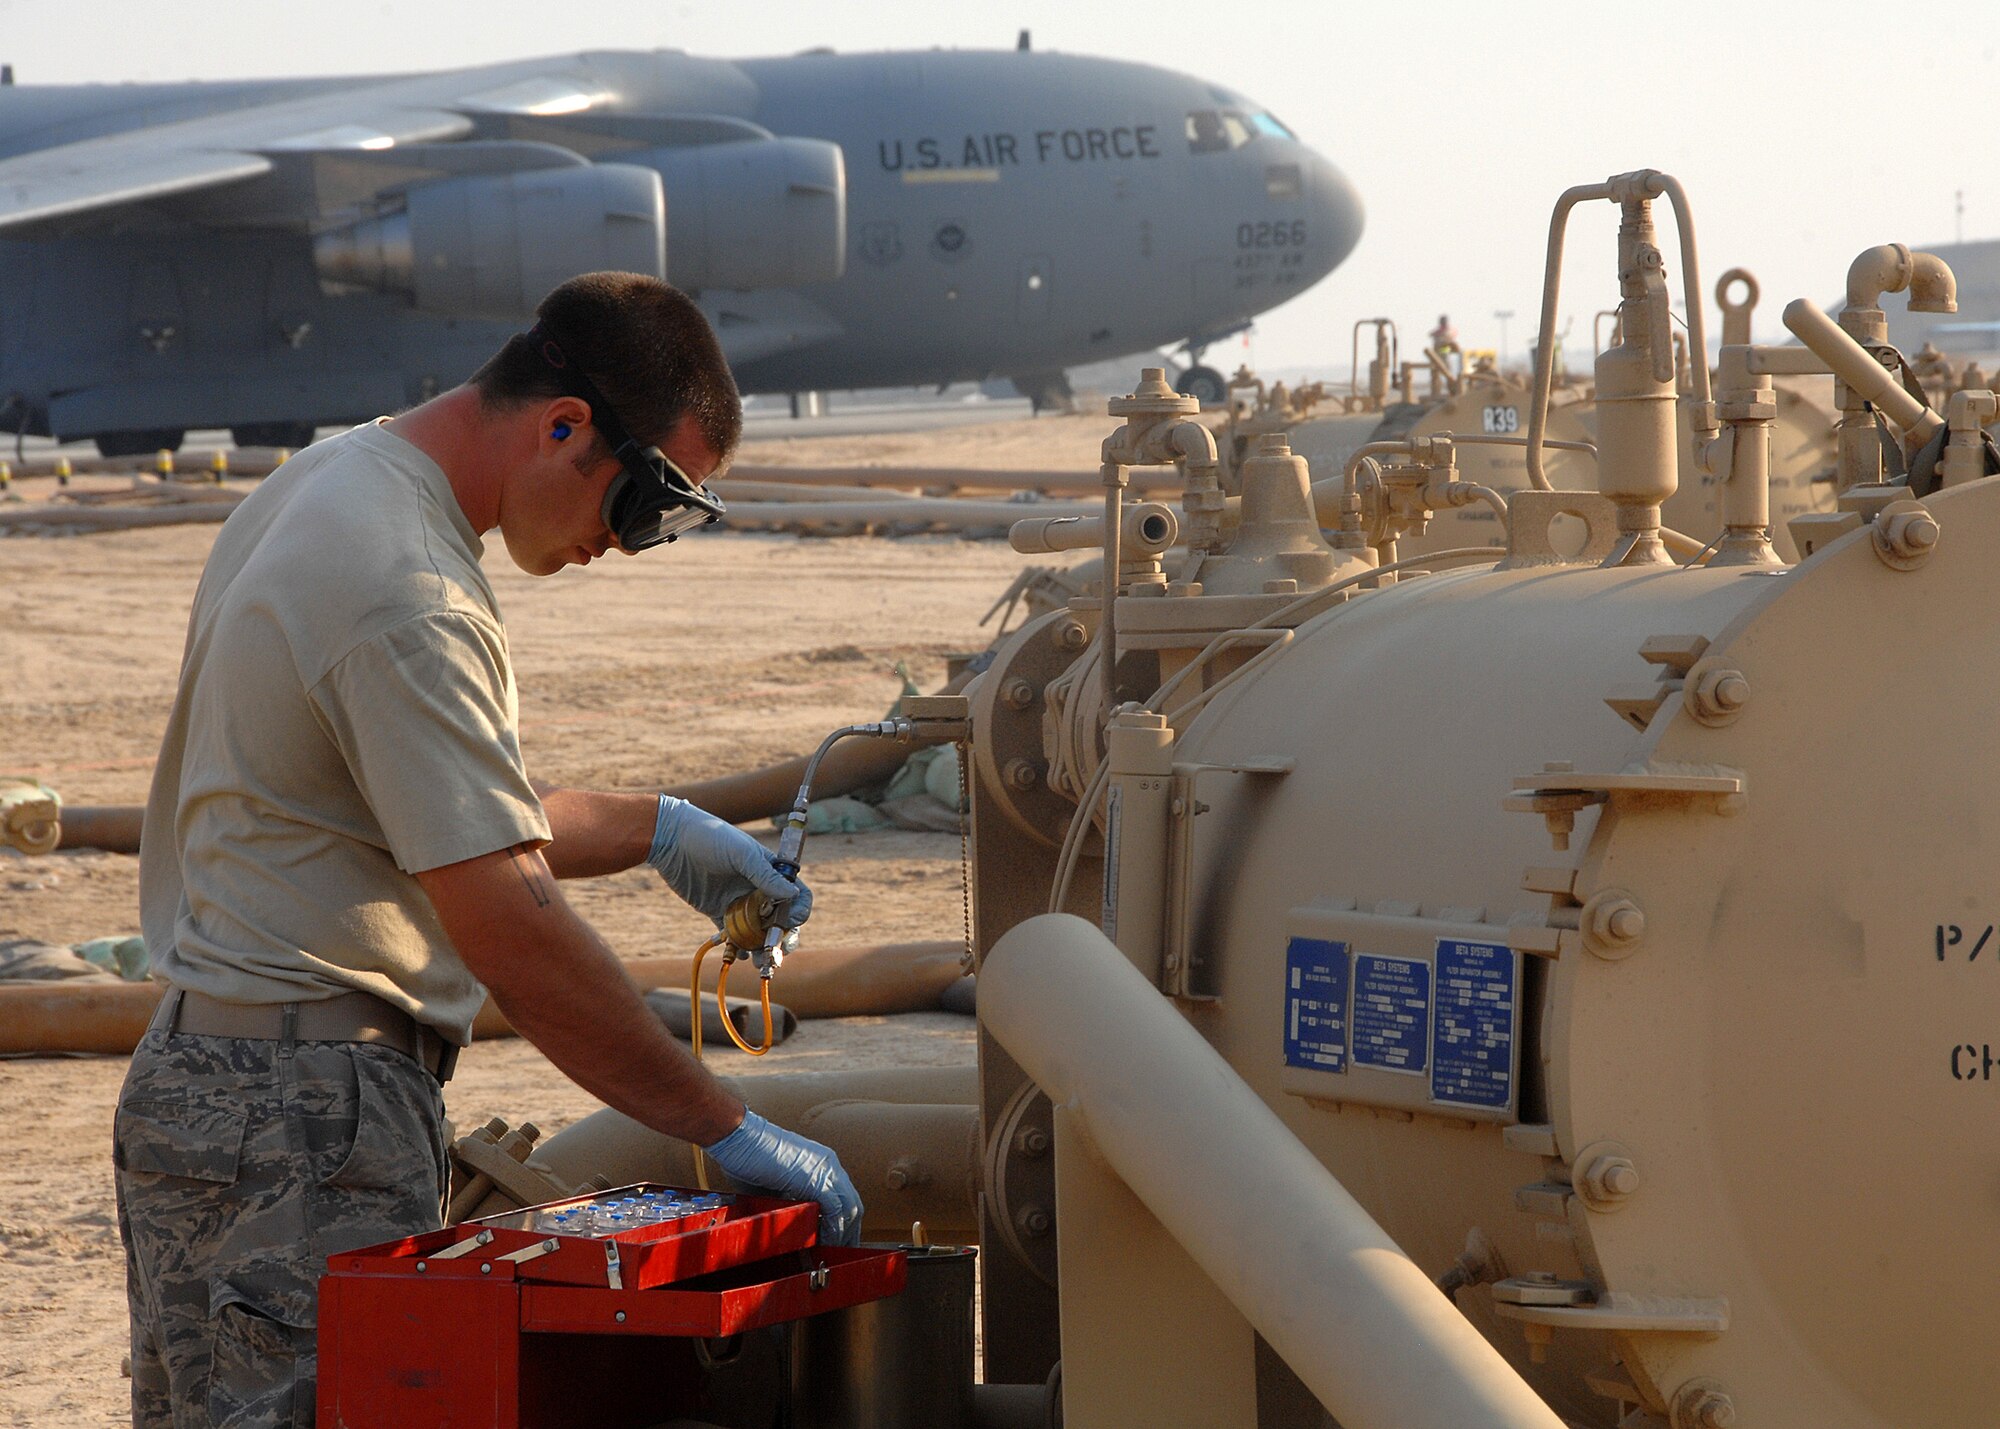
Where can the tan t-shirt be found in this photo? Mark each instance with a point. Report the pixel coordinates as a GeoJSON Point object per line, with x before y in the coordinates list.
{"type": "Point", "coordinates": [346, 719]}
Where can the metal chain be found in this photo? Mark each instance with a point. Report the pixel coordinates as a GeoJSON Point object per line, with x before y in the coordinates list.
{"type": "Point", "coordinates": [964, 751]}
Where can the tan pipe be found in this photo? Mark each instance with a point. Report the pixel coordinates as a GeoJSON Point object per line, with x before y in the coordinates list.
{"type": "Point", "coordinates": [932, 478]}
{"type": "Point", "coordinates": [1851, 364]}
{"type": "Point", "coordinates": [116, 518]}
{"type": "Point", "coordinates": [1354, 1317]}
{"type": "Point", "coordinates": [901, 513]}
{"type": "Point", "coordinates": [1150, 528]}
{"type": "Point", "coordinates": [909, 1137]}
{"type": "Point", "coordinates": [114, 828]}
{"type": "Point", "coordinates": [1044, 535]}
{"type": "Point", "coordinates": [1893, 267]}
{"type": "Point", "coordinates": [878, 980]}
{"type": "Point", "coordinates": [82, 1016]}
{"type": "Point", "coordinates": [737, 798]}
{"type": "Point", "coordinates": [242, 461]}
{"type": "Point", "coordinates": [1538, 407]}
{"type": "Point", "coordinates": [736, 490]}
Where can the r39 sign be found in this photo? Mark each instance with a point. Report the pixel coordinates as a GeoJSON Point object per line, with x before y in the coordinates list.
{"type": "Point", "coordinates": [1501, 421]}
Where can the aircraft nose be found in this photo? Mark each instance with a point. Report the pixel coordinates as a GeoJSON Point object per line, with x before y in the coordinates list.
{"type": "Point", "coordinates": [1336, 211]}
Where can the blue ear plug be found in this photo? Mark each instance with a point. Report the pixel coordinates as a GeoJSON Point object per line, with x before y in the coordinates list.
{"type": "Point", "coordinates": [561, 432]}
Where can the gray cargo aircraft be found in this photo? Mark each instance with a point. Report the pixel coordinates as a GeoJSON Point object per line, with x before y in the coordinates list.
{"type": "Point", "coordinates": [271, 255]}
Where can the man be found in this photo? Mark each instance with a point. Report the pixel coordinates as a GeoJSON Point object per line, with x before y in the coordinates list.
{"type": "Point", "coordinates": [341, 847]}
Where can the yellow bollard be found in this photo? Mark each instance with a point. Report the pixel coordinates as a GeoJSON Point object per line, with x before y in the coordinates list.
{"type": "Point", "coordinates": [62, 471]}
{"type": "Point", "coordinates": [6, 475]}
{"type": "Point", "coordinates": [218, 465]}
{"type": "Point", "coordinates": [163, 463]}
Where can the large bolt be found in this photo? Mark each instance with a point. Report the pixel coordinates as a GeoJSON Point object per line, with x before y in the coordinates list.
{"type": "Point", "coordinates": [1718, 695]}
{"type": "Point", "coordinates": [1071, 635]}
{"type": "Point", "coordinates": [1032, 1142]}
{"type": "Point", "coordinates": [1905, 535]}
{"type": "Point", "coordinates": [1608, 1180]}
{"type": "Point", "coordinates": [1613, 924]}
{"type": "Point", "coordinates": [1017, 693]}
{"type": "Point", "coordinates": [1910, 534]}
{"type": "Point", "coordinates": [1703, 1404]}
{"type": "Point", "coordinates": [1035, 1221]}
{"type": "Point", "coordinates": [904, 1172]}
{"type": "Point", "coordinates": [1023, 773]}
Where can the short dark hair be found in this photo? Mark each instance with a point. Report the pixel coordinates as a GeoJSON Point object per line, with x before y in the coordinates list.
{"type": "Point", "coordinates": [644, 343]}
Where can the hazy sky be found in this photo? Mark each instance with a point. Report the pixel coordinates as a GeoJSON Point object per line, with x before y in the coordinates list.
{"type": "Point", "coordinates": [1803, 131]}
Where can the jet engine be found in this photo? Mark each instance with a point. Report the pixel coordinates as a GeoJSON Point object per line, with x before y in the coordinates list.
{"type": "Point", "coordinates": [759, 213]}
{"type": "Point", "coordinates": [491, 246]}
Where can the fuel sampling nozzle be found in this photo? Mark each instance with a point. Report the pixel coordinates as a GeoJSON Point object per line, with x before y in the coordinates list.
{"type": "Point", "coordinates": [750, 927]}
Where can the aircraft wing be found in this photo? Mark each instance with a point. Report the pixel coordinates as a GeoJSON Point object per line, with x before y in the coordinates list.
{"type": "Point", "coordinates": [77, 178]}
{"type": "Point", "coordinates": [173, 160]}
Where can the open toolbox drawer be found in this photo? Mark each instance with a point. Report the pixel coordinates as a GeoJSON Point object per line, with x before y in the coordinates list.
{"type": "Point", "coordinates": [535, 1245]}
{"type": "Point", "coordinates": [748, 1297]}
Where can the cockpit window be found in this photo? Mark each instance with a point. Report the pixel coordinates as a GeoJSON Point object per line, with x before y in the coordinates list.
{"type": "Point", "coordinates": [1272, 125]}
{"type": "Point", "coordinates": [1217, 131]}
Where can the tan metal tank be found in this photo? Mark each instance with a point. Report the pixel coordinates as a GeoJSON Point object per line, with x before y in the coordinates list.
{"type": "Point", "coordinates": [1750, 1012]}
{"type": "Point", "coordinates": [1572, 912]}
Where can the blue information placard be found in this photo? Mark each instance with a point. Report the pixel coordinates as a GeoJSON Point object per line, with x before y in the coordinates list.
{"type": "Point", "coordinates": [1472, 1024]}
{"type": "Point", "coordinates": [1392, 1012]}
{"type": "Point", "coordinates": [1316, 1004]}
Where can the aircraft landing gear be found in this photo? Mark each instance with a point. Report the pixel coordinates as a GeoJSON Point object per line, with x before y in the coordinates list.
{"type": "Point", "coordinates": [1046, 391]}
{"type": "Point", "coordinates": [1203, 383]}
{"type": "Point", "coordinates": [143, 442]}
{"type": "Point", "coordinates": [291, 435]}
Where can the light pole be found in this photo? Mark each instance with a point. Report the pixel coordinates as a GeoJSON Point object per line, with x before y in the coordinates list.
{"type": "Point", "coordinates": [1503, 315]}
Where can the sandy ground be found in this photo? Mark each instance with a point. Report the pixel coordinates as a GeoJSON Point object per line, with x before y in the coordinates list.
{"type": "Point", "coordinates": [727, 652]}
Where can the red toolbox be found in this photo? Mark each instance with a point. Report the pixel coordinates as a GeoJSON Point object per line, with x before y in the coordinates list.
{"type": "Point", "coordinates": [594, 1311]}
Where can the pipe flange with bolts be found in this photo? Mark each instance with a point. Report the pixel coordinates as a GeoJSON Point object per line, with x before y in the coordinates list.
{"type": "Point", "coordinates": [1020, 1181]}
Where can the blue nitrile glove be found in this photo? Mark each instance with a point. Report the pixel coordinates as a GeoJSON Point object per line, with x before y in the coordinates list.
{"type": "Point", "coordinates": [712, 864]}
{"type": "Point", "coordinates": [773, 1159]}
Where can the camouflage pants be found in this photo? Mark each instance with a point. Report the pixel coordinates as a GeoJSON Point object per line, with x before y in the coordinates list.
{"type": "Point", "coordinates": [241, 1165]}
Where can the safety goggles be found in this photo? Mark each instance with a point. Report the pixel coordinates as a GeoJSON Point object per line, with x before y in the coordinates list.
{"type": "Point", "coordinates": [651, 501]}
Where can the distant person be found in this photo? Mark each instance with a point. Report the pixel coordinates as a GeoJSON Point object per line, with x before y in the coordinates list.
{"type": "Point", "coordinates": [343, 853]}
{"type": "Point", "coordinates": [1444, 342]}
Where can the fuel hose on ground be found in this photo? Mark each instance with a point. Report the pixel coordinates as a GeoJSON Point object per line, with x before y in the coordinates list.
{"type": "Point", "coordinates": [750, 926]}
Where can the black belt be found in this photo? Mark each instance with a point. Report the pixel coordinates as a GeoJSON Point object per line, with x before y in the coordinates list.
{"type": "Point", "coordinates": [348, 1017]}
